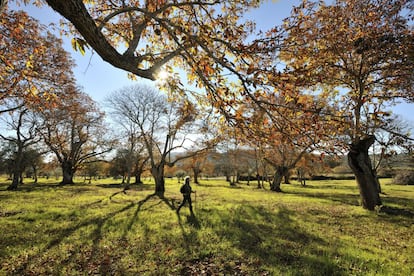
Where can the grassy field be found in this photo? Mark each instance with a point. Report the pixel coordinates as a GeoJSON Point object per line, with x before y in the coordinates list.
{"type": "Point", "coordinates": [320, 229]}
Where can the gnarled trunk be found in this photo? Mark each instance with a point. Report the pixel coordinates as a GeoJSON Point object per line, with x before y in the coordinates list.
{"type": "Point", "coordinates": [67, 172]}
{"type": "Point", "coordinates": [158, 174]}
{"type": "Point", "coordinates": [360, 163]}
{"type": "Point", "coordinates": [280, 172]}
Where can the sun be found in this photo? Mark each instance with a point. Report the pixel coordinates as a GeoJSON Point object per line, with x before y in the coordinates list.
{"type": "Point", "coordinates": [162, 75]}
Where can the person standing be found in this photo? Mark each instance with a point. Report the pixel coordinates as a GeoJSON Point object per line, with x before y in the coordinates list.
{"type": "Point", "coordinates": [186, 192]}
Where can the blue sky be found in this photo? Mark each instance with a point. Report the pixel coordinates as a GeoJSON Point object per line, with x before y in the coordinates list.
{"type": "Point", "coordinates": [99, 78]}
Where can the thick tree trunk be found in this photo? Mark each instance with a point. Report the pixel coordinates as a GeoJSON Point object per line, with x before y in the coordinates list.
{"type": "Point", "coordinates": [67, 173]}
{"type": "Point", "coordinates": [196, 172]}
{"type": "Point", "coordinates": [158, 174]}
{"type": "Point", "coordinates": [15, 183]}
{"type": "Point", "coordinates": [277, 179]}
{"type": "Point", "coordinates": [275, 185]}
{"type": "Point", "coordinates": [360, 163]}
{"type": "Point", "coordinates": [138, 177]}
{"type": "Point", "coordinates": [287, 177]}
{"type": "Point", "coordinates": [139, 169]}
{"type": "Point", "coordinates": [17, 171]}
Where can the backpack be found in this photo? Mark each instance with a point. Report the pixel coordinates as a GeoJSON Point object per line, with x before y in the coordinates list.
{"type": "Point", "coordinates": [184, 189]}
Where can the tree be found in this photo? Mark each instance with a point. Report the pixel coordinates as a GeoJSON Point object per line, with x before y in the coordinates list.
{"type": "Point", "coordinates": [360, 54]}
{"type": "Point", "coordinates": [195, 164]}
{"type": "Point", "coordinates": [119, 164]}
{"type": "Point", "coordinates": [127, 164]}
{"type": "Point", "coordinates": [23, 123]}
{"type": "Point", "coordinates": [133, 155]}
{"type": "Point", "coordinates": [33, 64]}
{"type": "Point", "coordinates": [74, 131]}
{"type": "Point", "coordinates": [91, 169]}
{"type": "Point", "coordinates": [287, 129]}
{"type": "Point", "coordinates": [32, 162]}
{"type": "Point", "coordinates": [204, 39]}
{"type": "Point", "coordinates": [157, 32]}
{"type": "Point", "coordinates": [165, 126]}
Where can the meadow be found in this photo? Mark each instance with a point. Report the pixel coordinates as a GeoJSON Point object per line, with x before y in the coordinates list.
{"type": "Point", "coordinates": [320, 229]}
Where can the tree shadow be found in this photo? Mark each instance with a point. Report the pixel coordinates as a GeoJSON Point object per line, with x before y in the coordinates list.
{"type": "Point", "coordinates": [348, 199]}
{"type": "Point", "coordinates": [135, 215]}
{"type": "Point", "coordinates": [95, 237]}
{"type": "Point", "coordinates": [32, 187]}
{"type": "Point", "coordinates": [124, 191]}
{"type": "Point", "coordinates": [133, 187]}
{"type": "Point", "coordinates": [96, 251]}
{"type": "Point", "coordinates": [236, 186]}
{"type": "Point", "coordinates": [275, 238]}
{"type": "Point", "coordinates": [395, 214]}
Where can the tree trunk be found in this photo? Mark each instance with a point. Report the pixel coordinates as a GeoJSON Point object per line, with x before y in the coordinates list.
{"type": "Point", "coordinates": [360, 163]}
{"type": "Point", "coordinates": [17, 171]}
{"type": "Point", "coordinates": [67, 173]}
{"type": "Point", "coordinates": [233, 181]}
{"type": "Point", "coordinates": [287, 177]}
{"type": "Point", "coordinates": [301, 176]}
{"type": "Point", "coordinates": [34, 174]}
{"type": "Point", "coordinates": [377, 181]}
{"type": "Point", "coordinates": [277, 179]}
{"type": "Point", "coordinates": [15, 182]}
{"type": "Point", "coordinates": [196, 172]}
{"type": "Point", "coordinates": [259, 183]}
{"type": "Point", "coordinates": [158, 174]}
{"type": "Point", "coordinates": [139, 169]}
{"type": "Point", "coordinates": [275, 185]}
{"type": "Point", "coordinates": [138, 177]}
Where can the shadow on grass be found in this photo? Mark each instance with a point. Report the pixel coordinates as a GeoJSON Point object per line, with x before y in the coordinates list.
{"type": "Point", "coordinates": [329, 186]}
{"type": "Point", "coordinates": [275, 239]}
{"type": "Point", "coordinates": [95, 237]}
{"type": "Point", "coordinates": [30, 187]}
{"type": "Point", "coordinates": [398, 215]}
{"type": "Point", "coordinates": [348, 199]}
{"type": "Point", "coordinates": [134, 187]}
{"type": "Point", "coordinates": [97, 252]}
{"type": "Point", "coordinates": [229, 186]}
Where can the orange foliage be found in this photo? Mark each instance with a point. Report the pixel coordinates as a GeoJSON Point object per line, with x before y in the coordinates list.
{"type": "Point", "coordinates": [33, 64]}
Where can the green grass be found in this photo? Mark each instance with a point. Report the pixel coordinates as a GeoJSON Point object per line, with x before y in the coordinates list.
{"type": "Point", "coordinates": [315, 230]}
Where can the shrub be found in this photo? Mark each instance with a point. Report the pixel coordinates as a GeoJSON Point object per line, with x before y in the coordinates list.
{"type": "Point", "coordinates": [404, 178]}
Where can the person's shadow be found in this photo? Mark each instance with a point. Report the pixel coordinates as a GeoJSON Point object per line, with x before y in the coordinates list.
{"type": "Point", "coordinates": [191, 220]}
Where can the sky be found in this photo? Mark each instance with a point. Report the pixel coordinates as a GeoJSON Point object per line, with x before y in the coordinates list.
{"type": "Point", "coordinates": [98, 78]}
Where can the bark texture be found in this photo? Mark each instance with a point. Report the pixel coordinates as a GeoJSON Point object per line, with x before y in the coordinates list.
{"type": "Point", "coordinates": [360, 163]}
